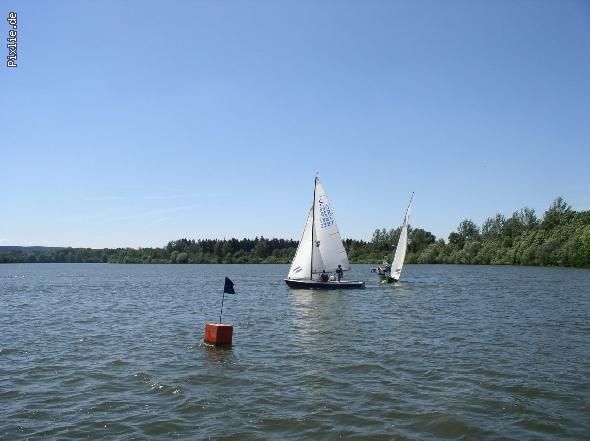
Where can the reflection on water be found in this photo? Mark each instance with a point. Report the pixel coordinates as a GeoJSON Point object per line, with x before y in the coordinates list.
{"type": "Point", "coordinates": [218, 354]}
{"type": "Point", "coordinates": [313, 313]}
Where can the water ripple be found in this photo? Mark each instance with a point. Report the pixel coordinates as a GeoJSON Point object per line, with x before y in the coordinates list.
{"type": "Point", "coordinates": [453, 352]}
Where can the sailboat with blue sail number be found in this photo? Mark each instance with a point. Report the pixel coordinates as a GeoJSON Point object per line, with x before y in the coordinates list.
{"type": "Point", "coordinates": [320, 260]}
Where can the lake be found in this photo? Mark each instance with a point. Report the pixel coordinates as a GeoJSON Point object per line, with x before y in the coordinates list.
{"type": "Point", "coordinates": [452, 352]}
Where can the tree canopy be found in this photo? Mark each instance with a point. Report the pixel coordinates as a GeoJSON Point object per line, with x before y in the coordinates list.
{"type": "Point", "coordinates": [560, 238]}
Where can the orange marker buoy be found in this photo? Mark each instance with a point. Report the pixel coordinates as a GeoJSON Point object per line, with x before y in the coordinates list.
{"type": "Point", "coordinates": [218, 334]}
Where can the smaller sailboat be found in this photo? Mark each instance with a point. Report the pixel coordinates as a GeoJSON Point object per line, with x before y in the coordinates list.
{"type": "Point", "coordinates": [320, 251]}
{"type": "Point", "coordinates": [393, 274]}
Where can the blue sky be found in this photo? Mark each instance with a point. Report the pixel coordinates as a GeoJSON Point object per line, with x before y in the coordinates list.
{"type": "Point", "coordinates": [135, 123]}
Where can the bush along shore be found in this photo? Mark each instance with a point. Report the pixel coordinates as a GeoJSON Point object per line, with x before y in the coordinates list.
{"type": "Point", "coordinates": [560, 238]}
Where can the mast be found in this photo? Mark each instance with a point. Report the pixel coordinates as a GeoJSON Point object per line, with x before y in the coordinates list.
{"type": "Point", "coordinates": [405, 217]}
{"type": "Point", "coordinates": [315, 183]}
{"type": "Point", "coordinates": [410, 203]}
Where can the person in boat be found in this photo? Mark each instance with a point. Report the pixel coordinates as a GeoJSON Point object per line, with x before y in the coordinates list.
{"type": "Point", "coordinates": [384, 268]}
{"type": "Point", "coordinates": [339, 272]}
{"type": "Point", "coordinates": [324, 276]}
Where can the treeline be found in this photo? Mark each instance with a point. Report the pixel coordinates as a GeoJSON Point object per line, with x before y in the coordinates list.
{"type": "Point", "coordinates": [258, 250]}
{"type": "Point", "coordinates": [561, 237]}
{"type": "Point", "coordinates": [59, 255]}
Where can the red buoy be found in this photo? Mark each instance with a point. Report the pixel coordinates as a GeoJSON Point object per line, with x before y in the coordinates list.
{"type": "Point", "coordinates": [218, 334]}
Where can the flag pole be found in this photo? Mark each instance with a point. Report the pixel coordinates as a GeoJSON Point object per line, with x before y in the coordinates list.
{"type": "Point", "coordinates": [220, 333]}
{"type": "Point", "coordinates": [221, 312]}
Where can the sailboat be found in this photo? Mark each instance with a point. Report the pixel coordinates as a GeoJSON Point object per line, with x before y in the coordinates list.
{"type": "Point", "coordinates": [394, 273]}
{"type": "Point", "coordinates": [320, 251]}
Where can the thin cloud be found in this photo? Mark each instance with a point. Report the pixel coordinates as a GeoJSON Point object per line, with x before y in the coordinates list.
{"type": "Point", "coordinates": [159, 197]}
{"type": "Point", "coordinates": [169, 196]}
{"type": "Point", "coordinates": [149, 197]}
{"type": "Point", "coordinates": [159, 221]}
{"type": "Point", "coordinates": [104, 218]}
{"type": "Point", "coordinates": [152, 213]}
{"type": "Point", "coordinates": [87, 217]}
{"type": "Point", "coordinates": [105, 198]}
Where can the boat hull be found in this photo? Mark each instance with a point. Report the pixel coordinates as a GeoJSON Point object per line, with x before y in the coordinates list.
{"type": "Point", "coordinates": [314, 284]}
{"type": "Point", "coordinates": [385, 279]}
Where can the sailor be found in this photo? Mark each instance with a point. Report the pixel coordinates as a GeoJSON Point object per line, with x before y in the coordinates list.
{"type": "Point", "coordinates": [339, 272]}
{"type": "Point", "coordinates": [324, 276]}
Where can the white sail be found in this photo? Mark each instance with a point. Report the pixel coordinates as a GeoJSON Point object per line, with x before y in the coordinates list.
{"type": "Point", "coordinates": [326, 235]}
{"type": "Point", "coordinates": [402, 245]}
{"type": "Point", "coordinates": [301, 265]}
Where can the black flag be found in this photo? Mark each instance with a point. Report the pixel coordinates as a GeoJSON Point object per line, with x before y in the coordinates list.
{"type": "Point", "coordinates": [228, 287]}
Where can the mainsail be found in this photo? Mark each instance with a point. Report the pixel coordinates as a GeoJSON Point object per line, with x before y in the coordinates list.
{"type": "Point", "coordinates": [326, 233]}
{"type": "Point", "coordinates": [402, 245]}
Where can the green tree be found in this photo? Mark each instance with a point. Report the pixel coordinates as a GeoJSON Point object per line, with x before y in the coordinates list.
{"type": "Point", "coordinates": [492, 227]}
{"type": "Point", "coordinates": [419, 240]}
{"type": "Point", "coordinates": [468, 230]}
{"type": "Point", "coordinates": [558, 213]}
{"type": "Point", "coordinates": [456, 240]}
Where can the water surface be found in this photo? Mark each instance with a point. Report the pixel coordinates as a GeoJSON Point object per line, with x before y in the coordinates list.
{"type": "Point", "coordinates": [452, 352]}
